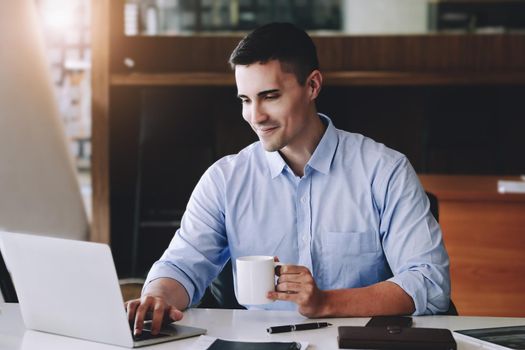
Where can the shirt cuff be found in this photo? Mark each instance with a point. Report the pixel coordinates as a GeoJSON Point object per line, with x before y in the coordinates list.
{"type": "Point", "coordinates": [164, 269]}
{"type": "Point", "coordinates": [414, 285]}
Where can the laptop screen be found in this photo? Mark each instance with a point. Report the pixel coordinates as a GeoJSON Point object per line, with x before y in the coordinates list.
{"type": "Point", "coordinates": [38, 184]}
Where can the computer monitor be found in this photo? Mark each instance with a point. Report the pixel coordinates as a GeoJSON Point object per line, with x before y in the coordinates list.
{"type": "Point", "coordinates": [39, 191]}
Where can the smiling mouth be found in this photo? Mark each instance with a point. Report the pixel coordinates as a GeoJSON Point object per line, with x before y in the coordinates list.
{"type": "Point", "coordinates": [266, 131]}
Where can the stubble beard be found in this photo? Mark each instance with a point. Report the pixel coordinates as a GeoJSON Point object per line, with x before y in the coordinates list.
{"type": "Point", "coordinates": [270, 146]}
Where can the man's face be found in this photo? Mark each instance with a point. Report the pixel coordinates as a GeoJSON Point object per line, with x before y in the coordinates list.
{"type": "Point", "coordinates": [274, 103]}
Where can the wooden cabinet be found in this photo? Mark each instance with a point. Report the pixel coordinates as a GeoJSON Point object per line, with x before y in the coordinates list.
{"type": "Point", "coordinates": [484, 233]}
{"type": "Point", "coordinates": [452, 103]}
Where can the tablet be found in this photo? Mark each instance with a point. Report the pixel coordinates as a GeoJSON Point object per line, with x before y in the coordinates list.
{"type": "Point", "coordinates": [496, 338]}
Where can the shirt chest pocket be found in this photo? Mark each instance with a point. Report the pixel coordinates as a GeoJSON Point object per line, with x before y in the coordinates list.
{"type": "Point", "coordinates": [347, 257]}
{"type": "Point", "coordinates": [350, 243]}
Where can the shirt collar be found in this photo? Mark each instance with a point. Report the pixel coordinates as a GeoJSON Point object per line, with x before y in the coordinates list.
{"type": "Point", "coordinates": [325, 150]}
{"type": "Point", "coordinates": [275, 162]}
{"type": "Point", "coordinates": [320, 160]}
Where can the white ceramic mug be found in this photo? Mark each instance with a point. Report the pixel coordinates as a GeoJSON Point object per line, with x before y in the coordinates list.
{"type": "Point", "coordinates": [255, 278]}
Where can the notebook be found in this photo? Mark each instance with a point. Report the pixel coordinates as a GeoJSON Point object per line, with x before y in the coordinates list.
{"type": "Point", "coordinates": [211, 343]}
{"type": "Point", "coordinates": [395, 338]}
{"type": "Point", "coordinates": [70, 288]}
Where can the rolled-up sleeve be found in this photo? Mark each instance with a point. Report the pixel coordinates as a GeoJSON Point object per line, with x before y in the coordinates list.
{"type": "Point", "coordinates": [199, 249]}
{"type": "Point", "coordinates": [412, 241]}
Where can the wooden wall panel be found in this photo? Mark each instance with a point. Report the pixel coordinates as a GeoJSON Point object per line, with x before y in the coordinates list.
{"type": "Point", "coordinates": [100, 122]}
{"type": "Point", "coordinates": [444, 53]}
{"type": "Point", "coordinates": [429, 53]}
{"type": "Point", "coordinates": [484, 233]}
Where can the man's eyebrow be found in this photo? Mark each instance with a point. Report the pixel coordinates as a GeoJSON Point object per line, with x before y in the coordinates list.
{"type": "Point", "coordinates": [262, 93]}
{"type": "Point", "coordinates": [267, 92]}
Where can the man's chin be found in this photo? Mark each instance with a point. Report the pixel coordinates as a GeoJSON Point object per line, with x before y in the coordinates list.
{"type": "Point", "coordinates": [269, 147]}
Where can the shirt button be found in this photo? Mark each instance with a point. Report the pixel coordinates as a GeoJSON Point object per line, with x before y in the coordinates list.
{"type": "Point", "coordinates": [304, 199]}
{"type": "Point", "coordinates": [305, 238]}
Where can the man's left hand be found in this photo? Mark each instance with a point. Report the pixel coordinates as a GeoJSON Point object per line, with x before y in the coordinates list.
{"type": "Point", "coordinates": [296, 284]}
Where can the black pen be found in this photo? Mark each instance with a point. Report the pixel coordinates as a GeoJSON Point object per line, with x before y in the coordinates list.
{"type": "Point", "coordinates": [297, 327]}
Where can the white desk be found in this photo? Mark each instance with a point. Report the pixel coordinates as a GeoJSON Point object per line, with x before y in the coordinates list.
{"type": "Point", "coordinates": [230, 324]}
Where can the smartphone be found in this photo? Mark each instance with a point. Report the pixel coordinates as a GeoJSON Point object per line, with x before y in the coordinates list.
{"type": "Point", "coordinates": [385, 321]}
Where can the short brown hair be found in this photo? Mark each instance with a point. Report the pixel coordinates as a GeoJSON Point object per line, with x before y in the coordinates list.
{"type": "Point", "coordinates": [284, 42]}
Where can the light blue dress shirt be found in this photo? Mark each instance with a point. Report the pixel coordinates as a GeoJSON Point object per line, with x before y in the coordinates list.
{"type": "Point", "coordinates": [358, 216]}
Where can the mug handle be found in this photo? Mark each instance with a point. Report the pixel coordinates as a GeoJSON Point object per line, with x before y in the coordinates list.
{"type": "Point", "coordinates": [277, 265]}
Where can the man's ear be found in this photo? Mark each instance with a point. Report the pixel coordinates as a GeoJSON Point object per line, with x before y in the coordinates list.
{"type": "Point", "coordinates": [314, 82]}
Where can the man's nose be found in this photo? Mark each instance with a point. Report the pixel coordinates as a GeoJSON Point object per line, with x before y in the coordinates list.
{"type": "Point", "coordinates": [258, 114]}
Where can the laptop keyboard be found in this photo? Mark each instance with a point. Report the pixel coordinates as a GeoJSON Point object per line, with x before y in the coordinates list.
{"type": "Point", "coordinates": [146, 334]}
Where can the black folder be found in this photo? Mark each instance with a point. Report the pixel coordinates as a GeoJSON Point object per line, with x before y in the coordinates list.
{"type": "Point", "coordinates": [395, 337]}
{"type": "Point", "coordinates": [221, 344]}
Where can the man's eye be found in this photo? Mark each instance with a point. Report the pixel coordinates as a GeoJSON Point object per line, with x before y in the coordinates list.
{"type": "Point", "coordinates": [243, 101]}
{"type": "Point", "coordinates": [271, 97]}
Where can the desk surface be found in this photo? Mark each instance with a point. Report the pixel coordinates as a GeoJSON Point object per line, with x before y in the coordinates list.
{"type": "Point", "coordinates": [230, 324]}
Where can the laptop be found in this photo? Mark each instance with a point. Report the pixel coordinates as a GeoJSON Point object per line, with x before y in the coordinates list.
{"type": "Point", "coordinates": [70, 288]}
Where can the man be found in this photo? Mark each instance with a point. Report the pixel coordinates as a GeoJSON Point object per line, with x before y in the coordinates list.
{"type": "Point", "coordinates": [346, 215]}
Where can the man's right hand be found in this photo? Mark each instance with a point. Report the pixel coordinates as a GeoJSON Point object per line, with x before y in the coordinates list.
{"type": "Point", "coordinates": [152, 308]}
